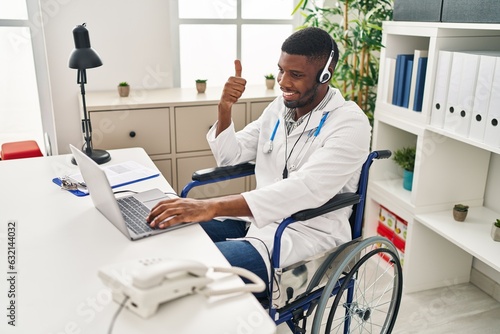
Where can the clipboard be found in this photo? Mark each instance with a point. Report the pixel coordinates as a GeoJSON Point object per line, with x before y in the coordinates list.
{"type": "Point", "coordinates": [78, 193]}
{"type": "Point", "coordinates": [119, 175]}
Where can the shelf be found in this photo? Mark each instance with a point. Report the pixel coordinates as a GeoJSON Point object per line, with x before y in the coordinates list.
{"type": "Point", "coordinates": [403, 118]}
{"type": "Point", "coordinates": [449, 168]}
{"type": "Point", "coordinates": [472, 235]}
{"type": "Point", "coordinates": [394, 190]}
{"type": "Point", "coordinates": [464, 140]}
{"type": "Point", "coordinates": [441, 29]}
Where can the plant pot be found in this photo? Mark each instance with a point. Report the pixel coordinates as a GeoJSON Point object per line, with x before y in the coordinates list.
{"type": "Point", "coordinates": [201, 87]}
{"type": "Point", "coordinates": [270, 83]}
{"type": "Point", "coordinates": [407, 179]}
{"type": "Point", "coordinates": [495, 233]}
{"type": "Point", "coordinates": [123, 90]}
{"type": "Point", "coordinates": [459, 216]}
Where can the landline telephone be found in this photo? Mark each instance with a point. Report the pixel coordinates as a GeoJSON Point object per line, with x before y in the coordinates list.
{"type": "Point", "coordinates": [145, 284]}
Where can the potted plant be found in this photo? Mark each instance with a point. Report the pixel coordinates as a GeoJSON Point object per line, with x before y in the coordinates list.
{"type": "Point", "coordinates": [201, 85]}
{"type": "Point", "coordinates": [270, 80]}
{"type": "Point", "coordinates": [356, 26]}
{"type": "Point", "coordinates": [495, 230]}
{"type": "Point", "coordinates": [460, 212]}
{"type": "Point", "coordinates": [123, 89]}
{"type": "Point", "coordinates": [405, 158]}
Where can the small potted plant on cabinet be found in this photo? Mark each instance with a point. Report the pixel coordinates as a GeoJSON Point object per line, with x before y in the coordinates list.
{"type": "Point", "coordinates": [201, 85]}
{"type": "Point", "coordinates": [405, 158]}
{"type": "Point", "coordinates": [123, 89]}
{"type": "Point", "coordinates": [495, 230]}
{"type": "Point", "coordinates": [270, 80]}
{"type": "Point", "coordinates": [460, 212]}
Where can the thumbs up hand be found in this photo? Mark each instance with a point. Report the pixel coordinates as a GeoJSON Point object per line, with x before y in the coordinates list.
{"type": "Point", "coordinates": [237, 68]}
{"type": "Point", "coordinates": [234, 88]}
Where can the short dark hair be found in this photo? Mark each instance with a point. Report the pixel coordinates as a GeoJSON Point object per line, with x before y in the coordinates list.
{"type": "Point", "coordinates": [314, 43]}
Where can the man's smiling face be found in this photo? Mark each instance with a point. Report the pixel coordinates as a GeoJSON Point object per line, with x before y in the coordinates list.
{"type": "Point", "coordinates": [297, 79]}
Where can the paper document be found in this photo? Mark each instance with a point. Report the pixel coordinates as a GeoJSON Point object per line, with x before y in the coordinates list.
{"type": "Point", "coordinates": [122, 174]}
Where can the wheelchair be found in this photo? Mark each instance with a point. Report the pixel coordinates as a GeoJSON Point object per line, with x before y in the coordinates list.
{"type": "Point", "coordinates": [353, 288]}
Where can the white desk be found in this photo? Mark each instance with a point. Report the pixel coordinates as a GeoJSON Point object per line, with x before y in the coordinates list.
{"type": "Point", "coordinates": [62, 241]}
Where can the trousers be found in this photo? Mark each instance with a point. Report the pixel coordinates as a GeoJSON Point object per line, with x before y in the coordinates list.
{"type": "Point", "coordinates": [239, 253]}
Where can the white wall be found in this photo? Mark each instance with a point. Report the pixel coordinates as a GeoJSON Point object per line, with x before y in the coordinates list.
{"type": "Point", "coordinates": [132, 38]}
{"type": "Point", "coordinates": [491, 196]}
{"type": "Point", "coordinates": [492, 193]}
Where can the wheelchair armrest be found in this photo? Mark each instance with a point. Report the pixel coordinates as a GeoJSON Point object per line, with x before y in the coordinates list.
{"type": "Point", "coordinates": [217, 174]}
{"type": "Point", "coordinates": [339, 201]}
{"type": "Point", "coordinates": [225, 172]}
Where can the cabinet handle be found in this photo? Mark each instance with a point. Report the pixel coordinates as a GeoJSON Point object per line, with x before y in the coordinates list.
{"type": "Point", "coordinates": [132, 134]}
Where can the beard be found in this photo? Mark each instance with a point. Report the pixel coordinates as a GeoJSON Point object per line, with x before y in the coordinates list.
{"type": "Point", "coordinates": [306, 99]}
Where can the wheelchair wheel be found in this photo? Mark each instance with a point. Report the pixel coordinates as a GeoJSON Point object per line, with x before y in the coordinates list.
{"type": "Point", "coordinates": [367, 288]}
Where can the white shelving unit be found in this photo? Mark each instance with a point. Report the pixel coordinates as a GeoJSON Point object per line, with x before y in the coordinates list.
{"type": "Point", "coordinates": [449, 168]}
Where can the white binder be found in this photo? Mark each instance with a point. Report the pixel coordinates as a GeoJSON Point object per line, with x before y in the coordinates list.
{"type": "Point", "coordinates": [466, 93]}
{"type": "Point", "coordinates": [388, 83]}
{"type": "Point", "coordinates": [441, 88]}
{"type": "Point", "coordinates": [492, 131]}
{"type": "Point", "coordinates": [482, 95]}
{"type": "Point", "coordinates": [452, 116]}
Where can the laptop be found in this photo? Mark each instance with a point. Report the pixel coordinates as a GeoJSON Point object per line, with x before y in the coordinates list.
{"type": "Point", "coordinates": [128, 214]}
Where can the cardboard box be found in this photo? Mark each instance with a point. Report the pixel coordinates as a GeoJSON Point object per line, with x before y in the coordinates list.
{"type": "Point", "coordinates": [401, 228]}
{"type": "Point", "coordinates": [387, 218]}
{"type": "Point", "coordinates": [471, 11]}
{"type": "Point", "coordinates": [421, 10]}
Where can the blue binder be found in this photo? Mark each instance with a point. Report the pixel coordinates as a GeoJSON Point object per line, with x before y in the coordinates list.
{"type": "Point", "coordinates": [407, 83]}
{"type": "Point", "coordinates": [399, 78]}
{"type": "Point", "coordinates": [419, 87]}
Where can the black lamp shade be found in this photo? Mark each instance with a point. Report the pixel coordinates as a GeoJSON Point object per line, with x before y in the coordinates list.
{"type": "Point", "coordinates": [83, 56]}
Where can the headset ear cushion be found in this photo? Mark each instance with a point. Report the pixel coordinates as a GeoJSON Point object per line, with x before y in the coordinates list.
{"type": "Point", "coordinates": [324, 76]}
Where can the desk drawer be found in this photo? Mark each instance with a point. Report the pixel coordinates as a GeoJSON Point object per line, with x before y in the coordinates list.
{"type": "Point", "coordinates": [256, 109]}
{"type": "Point", "coordinates": [165, 167]}
{"type": "Point", "coordinates": [193, 123]}
{"type": "Point", "coordinates": [146, 128]}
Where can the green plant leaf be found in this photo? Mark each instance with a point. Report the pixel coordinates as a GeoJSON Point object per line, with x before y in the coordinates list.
{"type": "Point", "coordinates": [405, 158]}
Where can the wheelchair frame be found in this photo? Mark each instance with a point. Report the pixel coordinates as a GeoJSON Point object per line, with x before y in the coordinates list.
{"type": "Point", "coordinates": [342, 272]}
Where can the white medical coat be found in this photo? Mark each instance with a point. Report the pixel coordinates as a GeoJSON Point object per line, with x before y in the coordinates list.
{"type": "Point", "coordinates": [319, 167]}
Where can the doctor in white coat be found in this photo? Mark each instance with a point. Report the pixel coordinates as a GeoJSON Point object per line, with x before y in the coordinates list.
{"type": "Point", "coordinates": [308, 145]}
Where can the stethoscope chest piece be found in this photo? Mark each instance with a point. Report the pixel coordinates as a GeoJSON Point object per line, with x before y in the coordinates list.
{"type": "Point", "coordinates": [268, 147]}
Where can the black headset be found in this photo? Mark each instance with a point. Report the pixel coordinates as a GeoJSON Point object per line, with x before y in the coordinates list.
{"type": "Point", "coordinates": [325, 75]}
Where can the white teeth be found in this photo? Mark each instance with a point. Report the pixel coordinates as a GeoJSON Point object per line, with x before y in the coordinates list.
{"type": "Point", "coordinates": [287, 94]}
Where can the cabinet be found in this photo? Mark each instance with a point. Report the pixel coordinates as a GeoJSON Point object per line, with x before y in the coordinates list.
{"type": "Point", "coordinates": [171, 125]}
{"type": "Point", "coordinates": [449, 168]}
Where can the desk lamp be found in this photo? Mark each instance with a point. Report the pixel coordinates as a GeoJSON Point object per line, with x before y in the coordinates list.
{"type": "Point", "coordinates": [83, 57]}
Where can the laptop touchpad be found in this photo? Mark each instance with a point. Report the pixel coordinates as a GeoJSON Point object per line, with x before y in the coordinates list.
{"type": "Point", "coordinates": [151, 197]}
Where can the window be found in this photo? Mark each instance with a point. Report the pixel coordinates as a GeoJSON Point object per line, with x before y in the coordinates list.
{"type": "Point", "coordinates": [210, 34]}
{"type": "Point", "coordinates": [20, 103]}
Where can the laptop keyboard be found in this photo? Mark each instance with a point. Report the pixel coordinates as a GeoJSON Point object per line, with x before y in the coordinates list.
{"type": "Point", "coordinates": [134, 213]}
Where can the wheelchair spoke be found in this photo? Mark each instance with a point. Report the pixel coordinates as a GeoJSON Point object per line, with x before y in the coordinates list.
{"type": "Point", "coordinates": [369, 297]}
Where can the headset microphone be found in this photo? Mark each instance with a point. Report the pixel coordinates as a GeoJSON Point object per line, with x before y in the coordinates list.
{"type": "Point", "coordinates": [325, 75]}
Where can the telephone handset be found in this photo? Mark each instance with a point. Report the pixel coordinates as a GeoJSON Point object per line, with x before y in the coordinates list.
{"type": "Point", "coordinates": [154, 275]}
{"type": "Point", "coordinates": [145, 284]}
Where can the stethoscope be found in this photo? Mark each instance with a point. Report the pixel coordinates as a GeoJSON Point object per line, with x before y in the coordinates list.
{"type": "Point", "coordinates": [268, 146]}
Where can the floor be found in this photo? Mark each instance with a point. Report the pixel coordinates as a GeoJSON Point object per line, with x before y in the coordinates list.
{"type": "Point", "coordinates": [462, 308]}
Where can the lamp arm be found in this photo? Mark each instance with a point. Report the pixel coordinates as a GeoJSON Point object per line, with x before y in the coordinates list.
{"type": "Point", "coordinates": [86, 125]}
